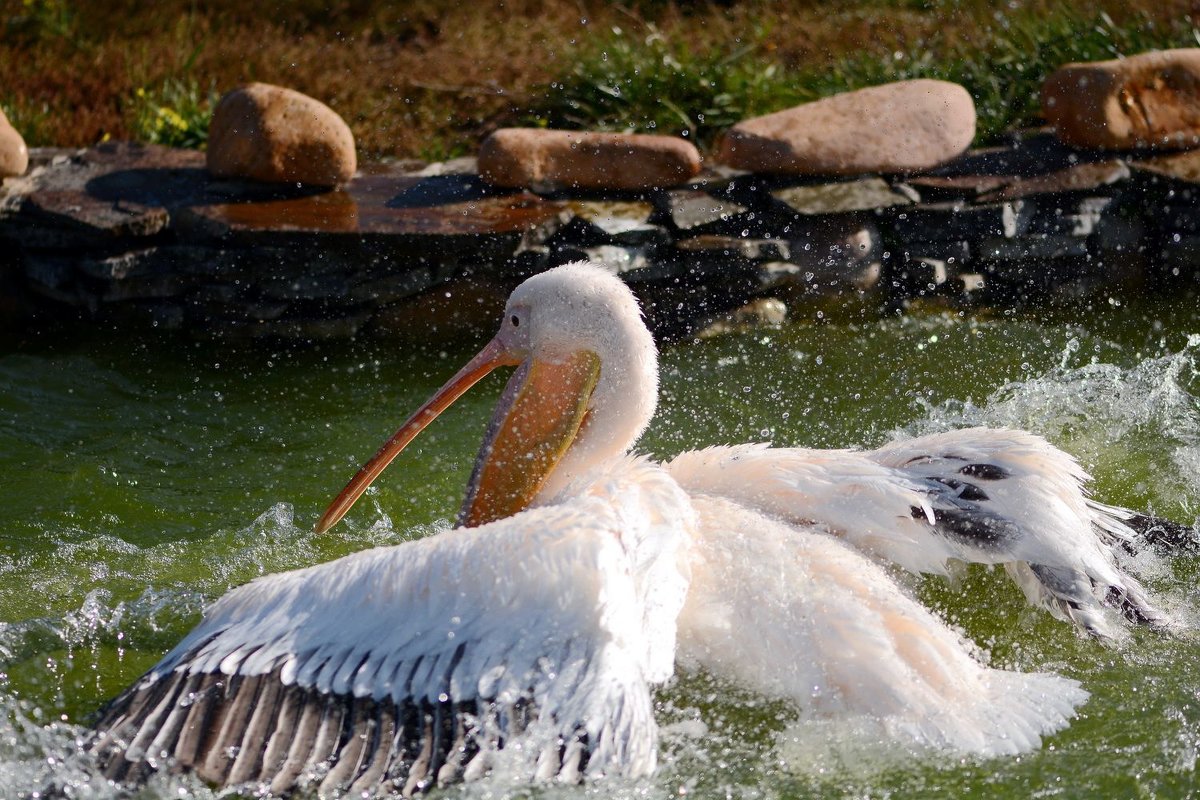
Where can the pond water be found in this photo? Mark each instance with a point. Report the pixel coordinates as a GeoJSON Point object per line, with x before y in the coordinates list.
{"type": "Point", "coordinates": [145, 477]}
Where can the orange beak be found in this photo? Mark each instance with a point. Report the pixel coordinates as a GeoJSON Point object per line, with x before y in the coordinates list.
{"type": "Point", "coordinates": [493, 355]}
{"type": "Point", "coordinates": [539, 415]}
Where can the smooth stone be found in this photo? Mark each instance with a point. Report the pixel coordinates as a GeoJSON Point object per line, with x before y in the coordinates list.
{"type": "Point", "coordinates": [550, 160]}
{"type": "Point", "coordinates": [1149, 100]}
{"type": "Point", "coordinates": [832, 198]}
{"type": "Point", "coordinates": [905, 126]}
{"type": "Point", "coordinates": [14, 155]}
{"type": "Point", "coordinates": [690, 209]}
{"type": "Point", "coordinates": [269, 133]}
{"type": "Point", "coordinates": [933, 188]}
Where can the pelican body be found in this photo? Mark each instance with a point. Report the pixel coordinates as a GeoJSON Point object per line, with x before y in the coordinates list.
{"type": "Point", "coordinates": [528, 640]}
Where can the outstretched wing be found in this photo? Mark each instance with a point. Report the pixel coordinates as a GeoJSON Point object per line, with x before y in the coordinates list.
{"type": "Point", "coordinates": [977, 495]}
{"type": "Point", "coordinates": [874, 506]}
{"type": "Point", "coordinates": [404, 667]}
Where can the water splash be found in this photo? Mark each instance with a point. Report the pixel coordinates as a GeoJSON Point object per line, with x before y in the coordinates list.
{"type": "Point", "coordinates": [1137, 429]}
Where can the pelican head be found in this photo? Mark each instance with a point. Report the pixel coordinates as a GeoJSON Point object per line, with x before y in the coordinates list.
{"type": "Point", "coordinates": [584, 390]}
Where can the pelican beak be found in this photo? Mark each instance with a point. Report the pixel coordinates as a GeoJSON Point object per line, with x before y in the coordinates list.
{"type": "Point", "coordinates": [539, 415]}
{"type": "Point", "coordinates": [493, 355]}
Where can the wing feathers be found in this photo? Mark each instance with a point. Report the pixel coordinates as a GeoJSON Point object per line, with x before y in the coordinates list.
{"type": "Point", "coordinates": [244, 730]}
{"type": "Point", "coordinates": [410, 666]}
{"type": "Point", "coordinates": [301, 745]}
{"type": "Point", "coordinates": [279, 741]}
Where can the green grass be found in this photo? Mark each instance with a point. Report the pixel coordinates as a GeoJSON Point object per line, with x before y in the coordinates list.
{"type": "Point", "coordinates": [176, 113]}
{"type": "Point", "coordinates": [660, 85]}
{"type": "Point", "coordinates": [656, 85]}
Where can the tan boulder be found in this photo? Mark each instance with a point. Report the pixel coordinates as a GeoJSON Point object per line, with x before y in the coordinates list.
{"type": "Point", "coordinates": [14, 155]}
{"type": "Point", "coordinates": [1148, 100]}
{"type": "Point", "coordinates": [268, 133]}
{"type": "Point", "coordinates": [545, 160]}
{"type": "Point", "coordinates": [905, 126]}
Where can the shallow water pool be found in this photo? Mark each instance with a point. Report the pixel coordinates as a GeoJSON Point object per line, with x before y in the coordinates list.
{"type": "Point", "coordinates": [145, 477]}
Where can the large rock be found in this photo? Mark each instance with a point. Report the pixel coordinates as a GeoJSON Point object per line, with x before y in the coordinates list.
{"type": "Point", "coordinates": [268, 133]}
{"type": "Point", "coordinates": [14, 156]}
{"type": "Point", "coordinates": [1149, 100]}
{"type": "Point", "coordinates": [547, 160]}
{"type": "Point", "coordinates": [897, 127]}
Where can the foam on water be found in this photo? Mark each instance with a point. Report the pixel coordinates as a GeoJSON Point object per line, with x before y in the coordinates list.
{"type": "Point", "coordinates": [1105, 415]}
{"type": "Point", "coordinates": [76, 652]}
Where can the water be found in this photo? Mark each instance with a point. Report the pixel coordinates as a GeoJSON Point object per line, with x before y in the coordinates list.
{"type": "Point", "coordinates": [145, 477]}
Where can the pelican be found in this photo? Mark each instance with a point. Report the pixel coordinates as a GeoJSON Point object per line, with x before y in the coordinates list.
{"type": "Point", "coordinates": [527, 641]}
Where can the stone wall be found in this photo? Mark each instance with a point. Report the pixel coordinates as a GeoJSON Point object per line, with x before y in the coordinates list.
{"type": "Point", "coordinates": [145, 235]}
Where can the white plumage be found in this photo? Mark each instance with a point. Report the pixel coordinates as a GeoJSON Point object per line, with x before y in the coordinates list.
{"type": "Point", "coordinates": [549, 626]}
{"type": "Point", "coordinates": [978, 495]}
{"type": "Point", "coordinates": [793, 613]}
{"type": "Point", "coordinates": [546, 625]}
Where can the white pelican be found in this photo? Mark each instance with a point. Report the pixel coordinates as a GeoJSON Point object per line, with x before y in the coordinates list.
{"type": "Point", "coordinates": [527, 641]}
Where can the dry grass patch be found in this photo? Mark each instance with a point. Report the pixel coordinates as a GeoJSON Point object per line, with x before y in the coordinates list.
{"type": "Point", "coordinates": [430, 78]}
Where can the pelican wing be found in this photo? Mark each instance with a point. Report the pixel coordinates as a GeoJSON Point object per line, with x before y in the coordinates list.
{"type": "Point", "coordinates": [977, 495]}
{"type": "Point", "coordinates": [404, 667]}
{"type": "Point", "coordinates": [1017, 500]}
{"type": "Point", "coordinates": [875, 506]}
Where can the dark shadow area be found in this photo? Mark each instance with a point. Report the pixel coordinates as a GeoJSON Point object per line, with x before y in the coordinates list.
{"type": "Point", "coordinates": [164, 187]}
{"type": "Point", "coordinates": [1034, 154]}
{"type": "Point", "coordinates": [444, 190]}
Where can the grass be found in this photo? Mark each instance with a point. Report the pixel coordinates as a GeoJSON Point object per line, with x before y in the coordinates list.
{"type": "Point", "coordinates": [430, 78]}
{"type": "Point", "coordinates": [175, 114]}
{"type": "Point", "coordinates": [662, 85]}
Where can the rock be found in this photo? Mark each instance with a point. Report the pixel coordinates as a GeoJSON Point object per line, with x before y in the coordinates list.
{"type": "Point", "coordinates": [694, 209]}
{"type": "Point", "coordinates": [268, 133]}
{"type": "Point", "coordinates": [14, 155]}
{"type": "Point", "coordinates": [1182, 167]}
{"type": "Point", "coordinates": [825, 257]}
{"type": "Point", "coordinates": [753, 249]}
{"type": "Point", "coordinates": [548, 160]}
{"type": "Point", "coordinates": [1082, 178]}
{"type": "Point", "coordinates": [830, 198]}
{"type": "Point", "coordinates": [957, 221]}
{"type": "Point", "coordinates": [1037, 247]}
{"type": "Point", "coordinates": [613, 216]}
{"type": "Point", "coordinates": [597, 223]}
{"type": "Point", "coordinates": [1148, 100]}
{"type": "Point", "coordinates": [949, 251]}
{"type": "Point", "coordinates": [897, 127]}
{"type": "Point", "coordinates": [935, 188]}
{"type": "Point", "coordinates": [617, 259]}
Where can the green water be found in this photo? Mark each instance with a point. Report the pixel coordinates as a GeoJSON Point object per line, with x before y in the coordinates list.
{"type": "Point", "coordinates": [145, 477]}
